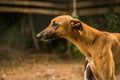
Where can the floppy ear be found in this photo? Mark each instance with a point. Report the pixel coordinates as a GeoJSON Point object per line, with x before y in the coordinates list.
{"type": "Point", "coordinates": [75, 23]}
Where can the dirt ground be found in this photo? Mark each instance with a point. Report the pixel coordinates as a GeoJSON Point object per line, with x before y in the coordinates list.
{"type": "Point", "coordinates": [41, 67]}
{"type": "Point", "coordinates": [51, 71]}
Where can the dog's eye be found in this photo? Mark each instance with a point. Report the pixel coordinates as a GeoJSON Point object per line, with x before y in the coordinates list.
{"type": "Point", "coordinates": [55, 24]}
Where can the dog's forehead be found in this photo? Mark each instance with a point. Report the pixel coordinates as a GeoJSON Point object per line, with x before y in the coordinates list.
{"type": "Point", "coordinates": [62, 18]}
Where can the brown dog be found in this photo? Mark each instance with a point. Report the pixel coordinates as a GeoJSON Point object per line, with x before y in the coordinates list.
{"type": "Point", "coordinates": [102, 49]}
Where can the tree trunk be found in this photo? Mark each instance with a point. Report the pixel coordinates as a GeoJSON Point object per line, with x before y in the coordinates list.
{"type": "Point", "coordinates": [33, 33]}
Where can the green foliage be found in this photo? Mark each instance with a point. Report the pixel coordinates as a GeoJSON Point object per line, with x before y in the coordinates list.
{"type": "Point", "coordinates": [13, 37]}
{"type": "Point", "coordinates": [54, 46]}
{"type": "Point", "coordinates": [108, 22]}
{"type": "Point", "coordinates": [76, 52]}
{"type": "Point", "coordinates": [113, 21]}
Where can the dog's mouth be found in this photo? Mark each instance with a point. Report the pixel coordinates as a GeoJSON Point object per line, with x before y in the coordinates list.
{"type": "Point", "coordinates": [46, 37]}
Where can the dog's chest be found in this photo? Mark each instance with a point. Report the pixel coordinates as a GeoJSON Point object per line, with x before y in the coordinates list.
{"type": "Point", "coordinates": [91, 63]}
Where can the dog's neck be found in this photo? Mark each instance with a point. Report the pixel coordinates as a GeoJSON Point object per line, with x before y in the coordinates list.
{"type": "Point", "coordinates": [88, 34]}
{"type": "Point", "coordinates": [84, 39]}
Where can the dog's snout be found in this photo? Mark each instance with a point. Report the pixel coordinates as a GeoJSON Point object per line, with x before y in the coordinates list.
{"type": "Point", "coordinates": [42, 35]}
{"type": "Point", "coordinates": [39, 35]}
{"type": "Point", "coordinates": [46, 35]}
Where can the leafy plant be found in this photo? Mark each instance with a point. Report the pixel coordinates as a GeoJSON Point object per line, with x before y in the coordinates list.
{"type": "Point", "coordinates": [76, 52]}
{"type": "Point", "coordinates": [113, 21]}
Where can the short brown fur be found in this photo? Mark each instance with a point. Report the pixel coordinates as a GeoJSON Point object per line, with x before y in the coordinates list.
{"type": "Point", "coordinates": [102, 49]}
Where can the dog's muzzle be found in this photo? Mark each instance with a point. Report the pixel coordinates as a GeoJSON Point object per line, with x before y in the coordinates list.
{"type": "Point", "coordinates": [46, 36]}
{"type": "Point", "coordinates": [39, 36]}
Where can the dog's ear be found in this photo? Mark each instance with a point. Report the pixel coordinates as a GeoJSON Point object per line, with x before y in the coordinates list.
{"type": "Point", "coordinates": [75, 23]}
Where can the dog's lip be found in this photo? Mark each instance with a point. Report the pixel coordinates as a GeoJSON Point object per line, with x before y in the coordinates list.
{"type": "Point", "coordinates": [43, 39]}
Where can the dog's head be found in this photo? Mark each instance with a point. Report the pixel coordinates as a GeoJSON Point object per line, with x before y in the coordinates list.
{"type": "Point", "coordinates": [62, 26]}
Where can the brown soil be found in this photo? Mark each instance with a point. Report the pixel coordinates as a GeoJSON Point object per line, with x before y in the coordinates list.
{"type": "Point", "coordinates": [42, 67]}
